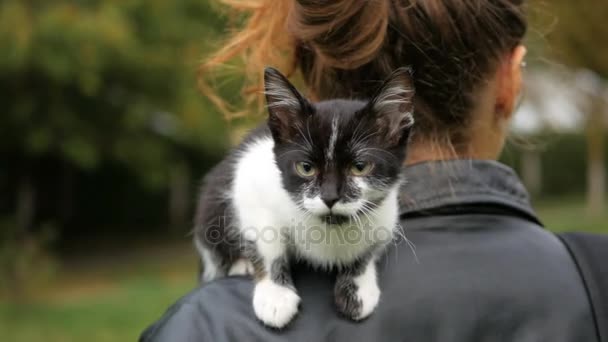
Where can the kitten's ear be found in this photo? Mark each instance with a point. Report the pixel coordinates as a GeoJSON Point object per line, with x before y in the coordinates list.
{"type": "Point", "coordinates": [287, 108]}
{"type": "Point", "coordinates": [393, 106]}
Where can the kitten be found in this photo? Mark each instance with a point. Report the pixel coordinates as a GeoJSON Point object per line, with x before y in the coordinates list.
{"type": "Point", "coordinates": [317, 182]}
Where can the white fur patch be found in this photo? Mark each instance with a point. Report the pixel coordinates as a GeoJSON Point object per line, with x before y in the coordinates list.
{"type": "Point", "coordinates": [275, 305]}
{"type": "Point", "coordinates": [241, 267]}
{"type": "Point", "coordinates": [332, 139]}
{"type": "Point", "coordinates": [325, 245]}
{"type": "Point", "coordinates": [315, 205]}
{"type": "Point", "coordinates": [367, 290]}
{"type": "Point", "coordinates": [262, 204]}
{"type": "Point", "coordinates": [347, 209]}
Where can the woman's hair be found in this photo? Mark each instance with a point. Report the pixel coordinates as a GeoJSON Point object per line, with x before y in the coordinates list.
{"type": "Point", "coordinates": [344, 48]}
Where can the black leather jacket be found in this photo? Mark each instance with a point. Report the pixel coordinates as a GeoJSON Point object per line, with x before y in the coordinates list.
{"type": "Point", "coordinates": [484, 269]}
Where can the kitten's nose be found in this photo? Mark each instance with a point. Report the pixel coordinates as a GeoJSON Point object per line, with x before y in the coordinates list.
{"type": "Point", "coordinates": [330, 201]}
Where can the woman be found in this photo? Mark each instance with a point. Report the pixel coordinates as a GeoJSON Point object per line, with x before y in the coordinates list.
{"type": "Point", "coordinates": [483, 269]}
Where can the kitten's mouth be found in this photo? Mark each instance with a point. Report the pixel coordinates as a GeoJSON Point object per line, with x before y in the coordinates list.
{"type": "Point", "coordinates": [335, 219]}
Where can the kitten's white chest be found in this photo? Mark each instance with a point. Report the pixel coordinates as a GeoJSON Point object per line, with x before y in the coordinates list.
{"type": "Point", "coordinates": [327, 245]}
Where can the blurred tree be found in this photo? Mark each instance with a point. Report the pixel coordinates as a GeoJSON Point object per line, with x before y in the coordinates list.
{"type": "Point", "coordinates": [578, 40]}
{"type": "Point", "coordinates": [99, 80]}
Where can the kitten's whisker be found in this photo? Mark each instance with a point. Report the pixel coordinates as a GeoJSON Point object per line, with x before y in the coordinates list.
{"type": "Point", "coordinates": [363, 139]}
{"type": "Point", "coordinates": [304, 148]}
{"type": "Point", "coordinates": [292, 151]}
{"type": "Point", "coordinates": [401, 232]}
{"type": "Point", "coordinates": [356, 132]}
{"type": "Point", "coordinates": [305, 214]}
{"type": "Point", "coordinates": [413, 249]}
{"type": "Point", "coordinates": [352, 218]}
{"type": "Point", "coordinates": [368, 136]}
{"type": "Point", "coordinates": [367, 205]}
{"type": "Point", "coordinates": [357, 220]}
{"type": "Point", "coordinates": [308, 131]}
{"type": "Point", "coordinates": [365, 212]}
{"type": "Point", "coordinates": [367, 201]}
{"type": "Point", "coordinates": [357, 136]}
{"type": "Point", "coordinates": [360, 223]}
{"type": "Point", "coordinates": [365, 149]}
{"type": "Point", "coordinates": [307, 140]}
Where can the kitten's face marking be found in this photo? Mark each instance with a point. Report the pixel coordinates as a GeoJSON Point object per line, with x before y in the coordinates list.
{"type": "Point", "coordinates": [335, 145]}
{"type": "Point", "coordinates": [339, 158]}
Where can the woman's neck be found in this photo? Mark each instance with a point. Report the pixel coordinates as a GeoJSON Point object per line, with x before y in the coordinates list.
{"type": "Point", "coordinates": [432, 151]}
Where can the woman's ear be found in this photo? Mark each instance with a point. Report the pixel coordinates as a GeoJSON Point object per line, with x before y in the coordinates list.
{"type": "Point", "coordinates": [509, 83]}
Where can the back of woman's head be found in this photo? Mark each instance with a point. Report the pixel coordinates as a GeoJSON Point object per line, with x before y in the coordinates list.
{"type": "Point", "coordinates": [344, 48]}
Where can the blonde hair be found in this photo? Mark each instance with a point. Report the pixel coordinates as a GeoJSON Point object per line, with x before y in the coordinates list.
{"type": "Point", "coordinates": [263, 41]}
{"type": "Point", "coordinates": [345, 48]}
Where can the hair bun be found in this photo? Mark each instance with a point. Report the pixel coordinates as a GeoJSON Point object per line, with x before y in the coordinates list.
{"type": "Point", "coordinates": [343, 34]}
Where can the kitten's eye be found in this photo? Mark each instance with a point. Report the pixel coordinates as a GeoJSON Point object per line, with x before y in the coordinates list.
{"type": "Point", "coordinates": [361, 168]}
{"type": "Point", "coordinates": [305, 169]}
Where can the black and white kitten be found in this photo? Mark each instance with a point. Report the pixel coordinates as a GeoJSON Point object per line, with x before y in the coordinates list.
{"type": "Point", "coordinates": [318, 182]}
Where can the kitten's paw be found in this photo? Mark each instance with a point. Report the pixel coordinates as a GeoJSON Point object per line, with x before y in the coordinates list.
{"type": "Point", "coordinates": [274, 304]}
{"type": "Point", "coordinates": [241, 267]}
{"type": "Point", "coordinates": [357, 299]}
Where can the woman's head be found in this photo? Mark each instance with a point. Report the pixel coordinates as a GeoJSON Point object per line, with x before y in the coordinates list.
{"type": "Point", "coordinates": [465, 56]}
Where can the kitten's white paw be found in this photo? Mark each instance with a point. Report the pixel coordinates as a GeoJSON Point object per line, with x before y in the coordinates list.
{"type": "Point", "coordinates": [241, 267]}
{"type": "Point", "coordinates": [356, 298]}
{"type": "Point", "coordinates": [274, 304]}
{"type": "Point", "coordinates": [368, 295]}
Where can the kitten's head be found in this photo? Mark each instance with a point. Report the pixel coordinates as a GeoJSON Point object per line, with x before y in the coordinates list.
{"type": "Point", "coordinates": [340, 158]}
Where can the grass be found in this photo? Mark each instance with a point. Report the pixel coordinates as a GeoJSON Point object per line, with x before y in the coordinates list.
{"type": "Point", "coordinates": [115, 295]}
{"type": "Point", "coordinates": [570, 214]}
{"type": "Point", "coordinates": [108, 298]}
{"type": "Point", "coordinates": [117, 314]}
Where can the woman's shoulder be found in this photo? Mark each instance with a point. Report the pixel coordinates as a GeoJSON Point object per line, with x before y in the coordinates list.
{"type": "Point", "coordinates": [504, 273]}
{"type": "Point", "coordinates": [470, 277]}
{"type": "Point", "coordinates": [204, 314]}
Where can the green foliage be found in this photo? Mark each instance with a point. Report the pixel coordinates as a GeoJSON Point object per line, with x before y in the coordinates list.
{"type": "Point", "coordinates": [579, 33]}
{"type": "Point", "coordinates": [101, 80]}
{"type": "Point", "coordinates": [563, 162]}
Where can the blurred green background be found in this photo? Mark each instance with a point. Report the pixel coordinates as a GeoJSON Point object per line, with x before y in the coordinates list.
{"type": "Point", "coordinates": [104, 138]}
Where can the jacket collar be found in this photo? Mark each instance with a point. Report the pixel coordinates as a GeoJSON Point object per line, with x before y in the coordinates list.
{"type": "Point", "coordinates": [452, 183]}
